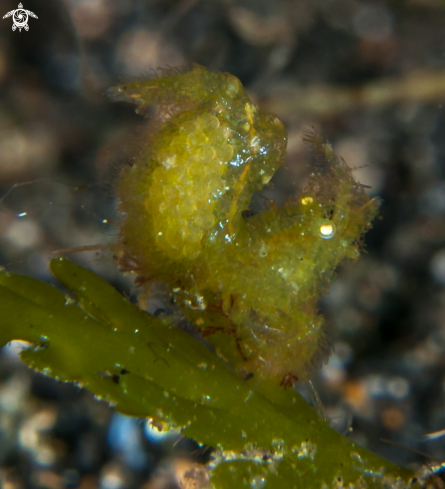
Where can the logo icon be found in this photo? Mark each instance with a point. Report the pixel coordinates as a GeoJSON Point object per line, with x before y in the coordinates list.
{"type": "Point", "coordinates": [20, 18]}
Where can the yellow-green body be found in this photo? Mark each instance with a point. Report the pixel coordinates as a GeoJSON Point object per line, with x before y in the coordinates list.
{"type": "Point", "coordinates": [251, 284]}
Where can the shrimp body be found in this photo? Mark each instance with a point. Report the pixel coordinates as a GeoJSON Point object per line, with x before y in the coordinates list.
{"type": "Point", "coordinates": [251, 284]}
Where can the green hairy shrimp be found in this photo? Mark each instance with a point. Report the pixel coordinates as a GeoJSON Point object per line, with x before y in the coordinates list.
{"type": "Point", "coordinates": [249, 281]}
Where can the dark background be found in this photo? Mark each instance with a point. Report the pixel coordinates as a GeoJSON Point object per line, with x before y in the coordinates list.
{"type": "Point", "coordinates": [369, 75]}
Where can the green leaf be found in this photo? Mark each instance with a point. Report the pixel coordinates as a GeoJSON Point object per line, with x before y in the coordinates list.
{"type": "Point", "coordinates": [265, 436]}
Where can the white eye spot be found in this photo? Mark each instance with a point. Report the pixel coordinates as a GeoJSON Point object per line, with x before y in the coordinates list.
{"type": "Point", "coordinates": [327, 231]}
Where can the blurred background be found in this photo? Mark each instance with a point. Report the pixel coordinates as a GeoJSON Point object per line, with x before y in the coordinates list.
{"type": "Point", "coordinates": [369, 75]}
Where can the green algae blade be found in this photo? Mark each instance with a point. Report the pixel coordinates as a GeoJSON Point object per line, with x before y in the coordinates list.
{"type": "Point", "coordinates": [264, 436]}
